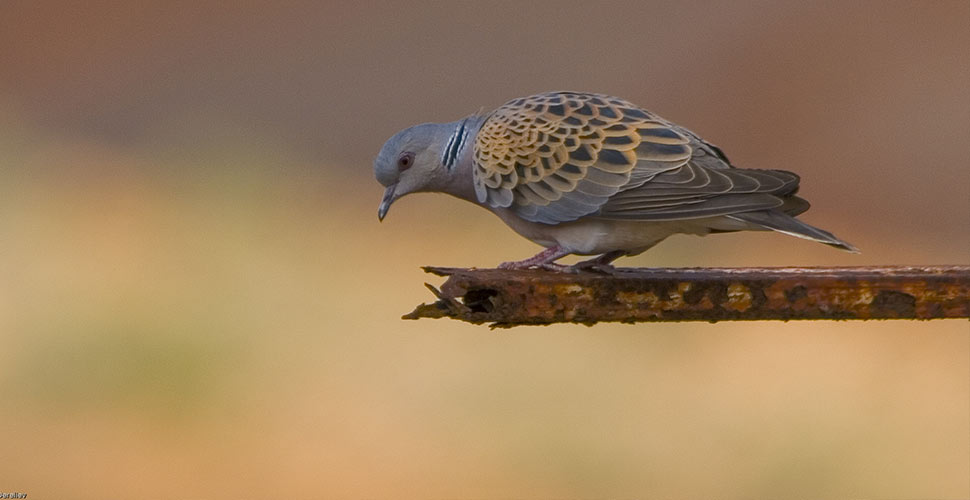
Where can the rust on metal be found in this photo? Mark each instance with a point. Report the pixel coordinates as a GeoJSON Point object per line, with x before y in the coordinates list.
{"type": "Point", "coordinates": [534, 297]}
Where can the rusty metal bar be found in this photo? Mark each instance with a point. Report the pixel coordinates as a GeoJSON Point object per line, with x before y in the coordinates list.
{"type": "Point", "coordinates": [509, 298]}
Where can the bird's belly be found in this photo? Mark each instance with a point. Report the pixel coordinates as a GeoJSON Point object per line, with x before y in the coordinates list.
{"type": "Point", "coordinates": [591, 236]}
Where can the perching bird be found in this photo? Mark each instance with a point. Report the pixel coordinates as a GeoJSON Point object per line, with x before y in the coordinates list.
{"type": "Point", "coordinates": [590, 174]}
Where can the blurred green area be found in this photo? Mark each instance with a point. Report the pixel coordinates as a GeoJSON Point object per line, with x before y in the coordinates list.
{"type": "Point", "coordinates": [195, 294]}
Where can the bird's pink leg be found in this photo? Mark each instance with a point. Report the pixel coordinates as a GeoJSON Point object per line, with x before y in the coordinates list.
{"type": "Point", "coordinates": [543, 259]}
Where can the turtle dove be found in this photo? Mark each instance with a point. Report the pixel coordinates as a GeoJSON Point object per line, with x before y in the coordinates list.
{"type": "Point", "coordinates": [589, 174]}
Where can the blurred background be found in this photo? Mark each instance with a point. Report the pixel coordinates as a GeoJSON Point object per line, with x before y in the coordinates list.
{"type": "Point", "coordinates": [196, 298]}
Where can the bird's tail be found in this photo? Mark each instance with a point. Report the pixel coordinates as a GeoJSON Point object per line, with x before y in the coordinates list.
{"type": "Point", "coordinates": [784, 223]}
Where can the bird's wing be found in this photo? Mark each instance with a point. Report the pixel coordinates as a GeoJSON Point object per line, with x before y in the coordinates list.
{"type": "Point", "coordinates": [694, 191]}
{"type": "Point", "coordinates": [707, 185]}
{"type": "Point", "coordinates": [559, 156]}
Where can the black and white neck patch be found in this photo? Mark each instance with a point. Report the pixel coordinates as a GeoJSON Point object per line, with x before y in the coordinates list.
{"type": "Point", "coordinates": [454, 146]}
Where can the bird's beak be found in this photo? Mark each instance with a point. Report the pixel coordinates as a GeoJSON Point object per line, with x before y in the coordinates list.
{"type": "Point", "coordinates": [386, 202]}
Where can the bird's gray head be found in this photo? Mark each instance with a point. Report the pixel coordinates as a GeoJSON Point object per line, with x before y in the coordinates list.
{"type": "Point", "coordinates": [417, 159]}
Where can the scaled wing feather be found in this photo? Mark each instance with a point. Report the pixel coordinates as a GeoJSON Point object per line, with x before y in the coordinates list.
{"type": "Point", "coordinates": [562, 155]}
{"type": "Point", "coordinates": [559, 156]}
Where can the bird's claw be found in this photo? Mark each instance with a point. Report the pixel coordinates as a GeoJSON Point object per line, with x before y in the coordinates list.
{"type": "Point", "coordinates": [548, 266]}
{"type": "Point", "coordinates": [593, 267]}
{"type": "Point", "coordinates": [558, 268]}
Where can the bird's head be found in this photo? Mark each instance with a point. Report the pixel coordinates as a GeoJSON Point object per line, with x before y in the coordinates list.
{"type": "Point", "coordinates": [407, 163]}
{"type": "Point", "coordinates": [415, 160]}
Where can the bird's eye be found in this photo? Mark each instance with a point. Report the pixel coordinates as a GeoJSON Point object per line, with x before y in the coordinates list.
{"type": "Point", "coordinates": [405, 161]}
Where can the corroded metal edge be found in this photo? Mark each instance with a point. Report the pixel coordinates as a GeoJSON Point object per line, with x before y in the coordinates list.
{"type": "Point", "coordinates": [509, 298]}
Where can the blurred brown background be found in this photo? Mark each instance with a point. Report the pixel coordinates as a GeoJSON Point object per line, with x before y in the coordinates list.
{"type": "Point", "coordinates": [196, 298]}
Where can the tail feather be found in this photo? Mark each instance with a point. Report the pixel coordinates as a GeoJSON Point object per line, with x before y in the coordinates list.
{"type": "Point", "coordinates": [784, 223]}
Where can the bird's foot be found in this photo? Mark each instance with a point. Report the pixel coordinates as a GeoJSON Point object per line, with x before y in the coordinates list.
{"type": "Point", "coordinates": [592, 267]}
{"type": "Point", "coordinates": [601, 264]}
{"type": "Point", "coordinates": [552, 266]}
{"type": "Point", "coordinates": [542, 260]}
{"type": "Point", "coordinates": [529, 264]}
